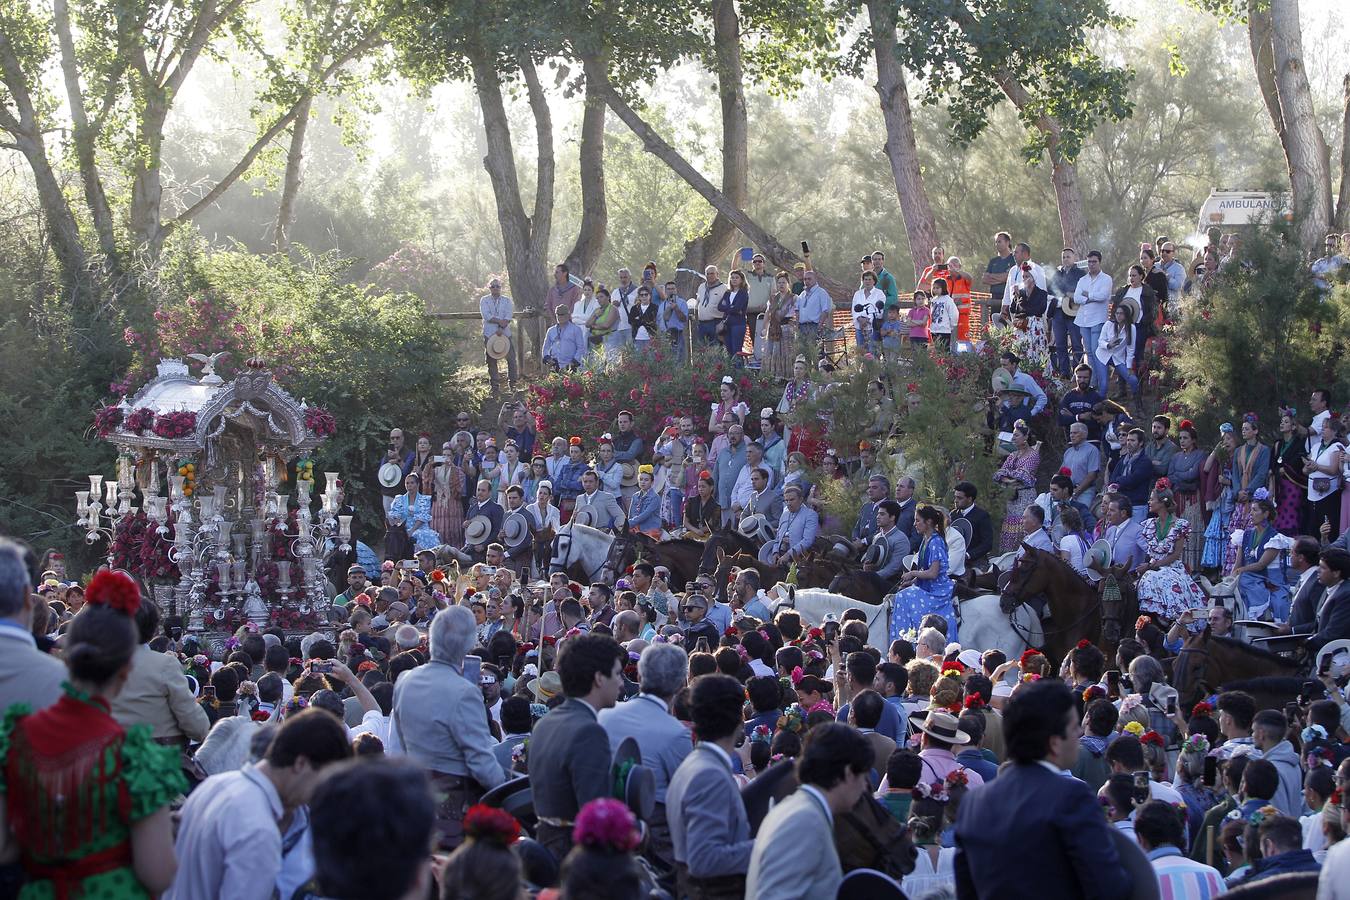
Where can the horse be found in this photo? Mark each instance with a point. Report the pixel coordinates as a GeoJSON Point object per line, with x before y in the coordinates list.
{"type": "Point", "coordinates": [851, 583]}
{"type": "Point", "coordinates": [681, 555]}
{"type": "Point", "coordinates": [1207, 664]}
{"type": "Point", "coordinates": [584, 553]}
{"type": "Point", "coordinates": [1074, 603]}
{"type": "Point", "coordinates": [983, 625]}
{"type": "Point", "coordinates": [730, 542]}
{"type": "Point", "coordinates": [769, 575]}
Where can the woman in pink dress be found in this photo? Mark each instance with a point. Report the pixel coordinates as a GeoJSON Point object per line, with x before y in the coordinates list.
{"type": "Point", "coordinates": [1018, 474]}
{"type": "Point", "coordinates": [447, 512]}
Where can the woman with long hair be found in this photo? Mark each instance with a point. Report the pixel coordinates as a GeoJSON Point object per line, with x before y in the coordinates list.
{"type": "Point", "coordinates": [1219, 467]}
{"type": "Point", "coordinates": [86, 802]}
{"type": "Point", "coordinates": [1288, 483]}
{"type": "Point", "coordinates": [1165, 589]}
{"type": "Point", "coordinates": [702, 515]}
{"type": "Point", "coordinates": [1262, 567]}
{"type": "Point", "coordinates": [447, 513]}
{"type": "Point", "coordinates": [409, 523]}
{"type": "Point", "coordinates": [733, 306]}
{"type": "Point", "coordinates": [1251, 470]}
{"type": "Point", "coordinates": [1018, 474]}
{"type": "Point", "coordinates": [1183, 473]}
{"type": "Point", "coordinates": [927, 588]}
{"type": "Point", "coordinates": [729, 401]}
{"type": "Point", "coordinates": [779, 335]}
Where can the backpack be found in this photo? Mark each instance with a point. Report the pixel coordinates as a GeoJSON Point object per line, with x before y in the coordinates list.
{"type": "Point", "coordinates": [869, 837]}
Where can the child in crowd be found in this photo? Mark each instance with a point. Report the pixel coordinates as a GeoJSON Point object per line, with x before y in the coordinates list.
{"type": "Point", "coordinates": [892, 333]}
{"type": "Point", "coordinates": [919, 317]}
{"type": "Point", "coordinates": [944, 313]}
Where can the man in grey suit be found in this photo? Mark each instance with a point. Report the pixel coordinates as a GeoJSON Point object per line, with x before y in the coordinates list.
{"type": "Point", "coordinates": [662, 738]}
{"type": "Point", "coordinates": [440, 719]}
{"type": "Point", "coordinates": [708, 825]}
{"type": "Point", "coordinates": [27, 675]}
{"type": "Point", "coordinates": [608, 515]}
{"type": "Point", "coordinates": [569, 753]}
{"type": "Point", "coordinates": [794, 853]}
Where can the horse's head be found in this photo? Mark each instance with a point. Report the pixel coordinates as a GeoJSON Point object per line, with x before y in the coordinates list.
{"type": "Point", "coordinates": [1024, 579]}
{"type": "Point", "coordinates": [1190, 667]}
{"type": "Point", "coordinates": [561, 549]}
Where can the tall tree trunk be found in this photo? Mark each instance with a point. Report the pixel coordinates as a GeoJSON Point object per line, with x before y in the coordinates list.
{"type": "Point", "coordinates": [1063, 173]}
{"type": "Point", "coordinates": [722, 237]}
{"type": "Point", "coordinates": [594, 206]}
{"type": "Point", "coordinates": [1309, 159]}
{"type": "Point", "coordinates": [1343, 199]}
{"type": "Point", "coordinates": [525, 252]}
{"type": "Point", "coordinates": [920, 225]}
{"type": "Point", "coordinates": [295, 176]}
{"type": "Point", "coordinates": [147, 189]}
{"type": "Point", "coordinates": [774, 251]}
{"type": "Point", "coordinates": [19, 119]}
{"type": "Point", "coordinates": [83, 136]}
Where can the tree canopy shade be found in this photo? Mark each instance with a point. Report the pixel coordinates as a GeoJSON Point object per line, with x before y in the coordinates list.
{"type": "Point", "coordinates": [1275, 37]}
{"type": "Point", "coordinates": [123, 65]}
{"type": "Point", "coordinates": [972, 54]}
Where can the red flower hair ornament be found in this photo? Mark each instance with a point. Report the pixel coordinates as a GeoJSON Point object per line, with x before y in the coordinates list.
{"type": "Point", "coordinates": [1152, 737]}
{"type": "Point", "coordinates": [487, 823]}
{"type": "Point", "coordinates": [1084, 644]}
{"type": "Point", "coordinates": [115, 590]}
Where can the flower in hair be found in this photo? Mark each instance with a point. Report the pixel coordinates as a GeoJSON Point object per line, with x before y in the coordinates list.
{"type": "Point", "coordinates": [1030, 677]}
{"type": "Point", "coordinates": [1162, 484]}
{"type": "Point", "coordinates": [1133, 728]}
{"type": "Point", "coordinates": [1261, 494]}
{"type": "Point", "coordinates": [115, 590]}
{"type": "Point", "coordinates": [937, 791]}
{"type": "Point", "coordinates": [1028, 657]}
{"type": "Point", "coordinates": [973, 701]}
{"type": "Point", "coordinates": [1152, 737]}
{"type": "Point", "coordinates": [957, 777]}
{"type": "Point", "coordinates": [1141, 623]}
{"type": "Point", "coordinates": [1203, 708]}
{"type": "Point", "coordinates": [487, 823]}
{"type": "Point", "coordinates": [704, 474]}
{"type": "Point", "coordinates": [1196, 743]}
{"type": "Point", "coordinates": [606, 824]}
{"type": "Point", "coordinates": [1094, 692]}
{"type": "Point", "coordinates": [1250, 418]}
{"type": "Point", "coordinates": [762, 734]}
{"type": "Point", "coordinates": [797, 675]}
{"type": "Point", "coordinates": [951, 669]}
{"type": "Point", "coordinates": [1083, 644]}
{"type": "Point", "coordinates": [1186, 423]}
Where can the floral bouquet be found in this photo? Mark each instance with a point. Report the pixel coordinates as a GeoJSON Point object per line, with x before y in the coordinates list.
{"type": "Point", "coordinates": [320, 421]}
{"type": "Point", "coordinates": [107, 419]}
{"type": "Point", "coordinates": [175, 425]}
{"type": "Point", "coordinates": [140, 419]}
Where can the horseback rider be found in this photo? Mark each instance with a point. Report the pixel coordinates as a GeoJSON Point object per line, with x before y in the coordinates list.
{"type": "Point", "coordinates": [797, 527]}
{"type": "Point", "coordinates": [884, 565]}
{"type": "Point", "coordinates": [605, 513]}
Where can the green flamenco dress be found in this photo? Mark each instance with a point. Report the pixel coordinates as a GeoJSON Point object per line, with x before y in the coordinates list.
{"type": "Point", "coordinates": [74, 782]}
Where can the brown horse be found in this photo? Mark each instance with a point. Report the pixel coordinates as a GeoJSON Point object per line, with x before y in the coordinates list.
{"type": "Point", "coordinates": [1207, 664]}
{"type": "Point", "coordinates": [681, 555]}
{"type": "Point", "coordinates": [1074, 604]}
{"type": "Point", "coordinates": [852, 583]}
{"type": "Point", "coordinates": [768, 575]}
{"type": "Point", "coordinates": [727, 541]}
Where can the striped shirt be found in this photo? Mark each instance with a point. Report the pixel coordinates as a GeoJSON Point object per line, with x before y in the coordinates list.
{"type": "Point", "coordinates": [1180, 878]}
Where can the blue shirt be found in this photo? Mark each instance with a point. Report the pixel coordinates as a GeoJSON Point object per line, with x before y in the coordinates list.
{"type": "Point", "coordinates": [891, 724]}
{"type": "Point", "coordinates": [565, 344]}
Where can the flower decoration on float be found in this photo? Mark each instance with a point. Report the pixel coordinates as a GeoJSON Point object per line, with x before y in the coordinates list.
{"type": "Point", "coordinates": [320, 422]}
{"type": "Point", "coordinates": [175, 425]}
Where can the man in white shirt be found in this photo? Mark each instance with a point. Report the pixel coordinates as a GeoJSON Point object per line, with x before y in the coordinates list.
{"type": "Point", "coordinates": [814, 309]}
{"type": "Point", "coordinates": [497, 310]}
{"type": "Point", "coordinates": [1093, 298]}
{"type": "Point", "coordinates": [706, 298]}
{"type": "Point", "coordinates": [759, 285]}
{"type": "Point", "coordinates": [229, 844]}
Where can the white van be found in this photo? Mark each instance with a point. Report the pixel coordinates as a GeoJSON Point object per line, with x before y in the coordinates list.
{"type": "Point", "coordinates": [1232, 209]}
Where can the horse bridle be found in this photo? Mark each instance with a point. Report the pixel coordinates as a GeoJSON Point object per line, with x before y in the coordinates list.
{"type": "Point", "coordinates": [1200, 674]}
{"type": "Point", "coordinates": [563, 552]}
{"type": "Point", "coordinates": [1026, 636]}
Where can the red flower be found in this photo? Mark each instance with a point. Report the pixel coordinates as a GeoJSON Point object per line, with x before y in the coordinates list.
{"type": "Point", "coordinates": [115, 590]}
{"type": "Point", "coordinates": [1084, 644]}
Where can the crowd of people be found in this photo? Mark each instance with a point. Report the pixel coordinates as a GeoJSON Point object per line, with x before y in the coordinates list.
{"type": "Point", "coordinates": [474, 723]}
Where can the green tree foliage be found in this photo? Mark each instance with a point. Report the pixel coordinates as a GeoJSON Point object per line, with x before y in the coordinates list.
{"type": "Point", "coordinates": [372, 359]}
{"type": "Point", "coordinates": [1260, 339]}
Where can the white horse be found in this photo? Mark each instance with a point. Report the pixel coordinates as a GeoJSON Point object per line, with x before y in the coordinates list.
{"type": "Point", "coordinates": [584, 549]}
{"type": "Point", "coordinates": [983, 625]}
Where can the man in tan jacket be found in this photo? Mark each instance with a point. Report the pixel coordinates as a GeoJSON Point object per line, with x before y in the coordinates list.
{"type": "Point", "coordinates": [156, 692]}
